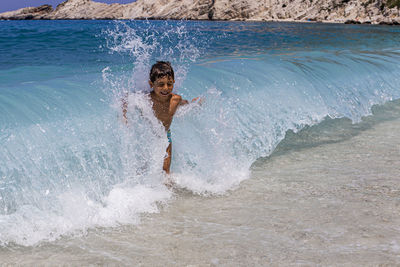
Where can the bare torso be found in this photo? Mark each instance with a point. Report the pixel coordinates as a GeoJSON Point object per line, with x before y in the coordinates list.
{"type": "Point", "coordinates": [165, 110]}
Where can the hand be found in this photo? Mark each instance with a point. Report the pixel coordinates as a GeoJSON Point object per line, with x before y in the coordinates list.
{"type": "Point", "coordinates": [125, 119]}
{"type": "Point", "coordinates": [124, 110]}
{"type": "Point", "coordinates": [199, 100]}
{"type": "Point", "coordinates": [176, 98]}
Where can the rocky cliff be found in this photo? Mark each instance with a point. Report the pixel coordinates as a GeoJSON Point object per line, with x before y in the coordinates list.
{"type": "Point", "coordinates": [342, 11]}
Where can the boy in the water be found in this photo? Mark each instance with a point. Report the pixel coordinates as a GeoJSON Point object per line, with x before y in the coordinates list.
{"type": "Point", "coordinates": [165, 103]}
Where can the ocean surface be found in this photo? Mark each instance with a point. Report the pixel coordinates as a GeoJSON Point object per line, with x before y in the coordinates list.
{"type": "Point", "coordinates": [283, 149]}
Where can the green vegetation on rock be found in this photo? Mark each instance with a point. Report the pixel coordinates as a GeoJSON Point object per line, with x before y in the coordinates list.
{"type": "Point", "coordinates": [393, 3]}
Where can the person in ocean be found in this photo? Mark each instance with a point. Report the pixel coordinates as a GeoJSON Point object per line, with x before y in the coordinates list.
{"type": "Point", "coordinates": [164, 102]}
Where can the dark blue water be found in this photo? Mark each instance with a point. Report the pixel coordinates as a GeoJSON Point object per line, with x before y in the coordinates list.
{"type": "Point", "coordinates": [68, 163]}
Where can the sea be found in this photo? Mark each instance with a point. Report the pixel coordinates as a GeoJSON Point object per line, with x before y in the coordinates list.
{"type": "Point", "coordinates": [292, 158]}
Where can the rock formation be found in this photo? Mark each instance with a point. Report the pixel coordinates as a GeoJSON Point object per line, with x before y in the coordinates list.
{"type": "Point", "coordinates": [40, 12]}
{"type": "Point", "coordinates": [341, 11]}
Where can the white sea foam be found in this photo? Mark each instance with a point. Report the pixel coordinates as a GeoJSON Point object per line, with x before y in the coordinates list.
{"type": "Point", "coordinates": [76, 212]}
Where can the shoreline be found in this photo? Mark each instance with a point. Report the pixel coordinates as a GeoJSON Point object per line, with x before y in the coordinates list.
{"type": "Point", "coordinates": [350, 22]}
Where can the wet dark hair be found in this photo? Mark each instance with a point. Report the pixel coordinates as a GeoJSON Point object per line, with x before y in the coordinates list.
{"type": "Point", "coordinates": [161, 69]}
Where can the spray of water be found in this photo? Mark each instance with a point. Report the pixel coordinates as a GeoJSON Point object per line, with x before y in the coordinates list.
{"type": "Point", "coordinates": [143, 46]}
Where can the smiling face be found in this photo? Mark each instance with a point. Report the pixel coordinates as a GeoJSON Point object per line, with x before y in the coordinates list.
{"type": "Point", "coordinates": [162, 87]}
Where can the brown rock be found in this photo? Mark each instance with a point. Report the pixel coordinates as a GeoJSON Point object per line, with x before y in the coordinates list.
{"type": "Point", "coordinates": [39, 12]}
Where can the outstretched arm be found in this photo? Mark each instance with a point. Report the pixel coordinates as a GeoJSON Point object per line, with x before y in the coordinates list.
{"type": "Point", "coordinates": [184, 101]}
{"type": "Point", "coordinates": [177, 101]}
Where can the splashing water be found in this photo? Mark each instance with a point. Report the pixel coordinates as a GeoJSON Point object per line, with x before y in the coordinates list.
{"type": "Point", "coordinates": [143, 46]}
{"type": "Point", "coordinates": [69, 163]}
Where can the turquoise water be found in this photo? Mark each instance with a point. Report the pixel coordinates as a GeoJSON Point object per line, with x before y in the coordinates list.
{"type": "Point", "coordinates": [69, 164]}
